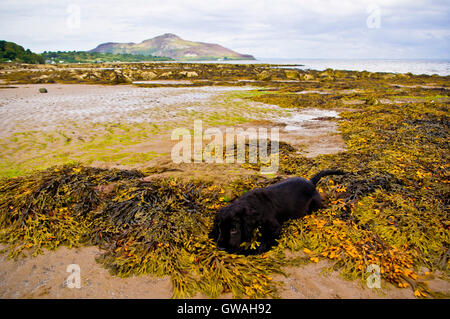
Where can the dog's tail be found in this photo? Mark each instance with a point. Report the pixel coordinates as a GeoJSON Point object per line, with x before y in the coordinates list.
{"type": "Point", "coordinates": [316, 178]}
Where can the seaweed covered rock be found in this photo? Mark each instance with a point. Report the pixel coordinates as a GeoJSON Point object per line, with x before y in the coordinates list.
{"type": "Point", "coordinates": [307, 77]}
{"type": "Point", "coordinates": [264, 76]}
{"type": "Point", "coordinates": [189, 74]}
{"type": "Point", "coordinates": [291, 74]}
{"type": "Point", "coordinates": [118, 77]}
{"type": "Point", "coordinates": [146, 75]}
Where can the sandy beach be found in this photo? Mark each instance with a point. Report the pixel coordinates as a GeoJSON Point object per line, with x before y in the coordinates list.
{"type": "Point", "coordinates": [82, 114]}
{"type": "Point", "coordinates": [129, 127]}
{"type": "Point", "coordinates": [219, 156]}
{"type": "Point", "coordinates": [45, 276]}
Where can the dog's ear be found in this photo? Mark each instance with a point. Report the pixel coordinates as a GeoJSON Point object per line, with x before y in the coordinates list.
{"type": "Point", "coordinates": [251, 220]}
{"type": "Point", "coordinates": [214, 234]}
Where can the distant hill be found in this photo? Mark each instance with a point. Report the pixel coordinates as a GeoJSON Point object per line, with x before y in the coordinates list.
{"type": "Point", "coordinates": [11, 52]}
{"type": "Point", "coordinates": [170, 45]}
{"type": "Point", "coordinates": [93, 57]}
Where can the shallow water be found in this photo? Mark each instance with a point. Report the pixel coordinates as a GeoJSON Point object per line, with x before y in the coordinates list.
{"type": "Point", "coordinates": [419, 66]}
{"type": "Point", "coordinates": [163, 82]}
{"type": "Point", "coordinates": [429, 67]}
{"type": "Point", "coordinates": [299, 119]}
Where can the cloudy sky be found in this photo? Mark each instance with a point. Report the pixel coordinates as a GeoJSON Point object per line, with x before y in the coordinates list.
{"type": "Point", "coordinates": [264, 28]}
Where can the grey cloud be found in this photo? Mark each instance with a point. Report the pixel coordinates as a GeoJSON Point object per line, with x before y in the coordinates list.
{"type": "Point", "coordinates": [284, 28]}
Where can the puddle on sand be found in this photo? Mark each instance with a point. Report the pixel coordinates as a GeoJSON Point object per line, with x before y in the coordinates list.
{"type": "Point", "coordinates": [300, 119]}
{"type": "Point", "coordinates": [313, 131]}
{"type": "Point", "coordinates": [163, 82]}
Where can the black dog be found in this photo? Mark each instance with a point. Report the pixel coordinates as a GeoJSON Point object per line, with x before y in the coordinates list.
{"type": "Point", "coordinates": [266, 209]}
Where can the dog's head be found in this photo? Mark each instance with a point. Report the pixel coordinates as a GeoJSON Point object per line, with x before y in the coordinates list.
{"type": "Point", "coordinates": [232, 227]}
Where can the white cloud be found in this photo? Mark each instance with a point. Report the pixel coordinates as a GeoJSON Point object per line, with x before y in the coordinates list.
{"type": "Point", "coordinates": [283, 28]}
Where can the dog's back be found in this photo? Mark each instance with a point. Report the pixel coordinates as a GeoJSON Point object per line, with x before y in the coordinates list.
{"type": "Point", "coordinates": [287, 199]}
{"type": "Point", "coordinates": [267, 209]}
{"type": "Point", "coordinates": [292, 184]}
{"type": "Point", "coordinates": [293, 196]}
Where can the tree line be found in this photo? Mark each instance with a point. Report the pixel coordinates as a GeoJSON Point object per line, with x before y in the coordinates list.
{"type": "Point", "coordinates": [12, 52]}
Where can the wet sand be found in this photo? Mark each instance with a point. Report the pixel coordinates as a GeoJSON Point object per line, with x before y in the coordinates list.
{"type": "Point", "coordinates": [45, 276]}
{"type": "Point", "coordinates": [117, 126]}
{"type": "Point", "coordinates": [24, 108]}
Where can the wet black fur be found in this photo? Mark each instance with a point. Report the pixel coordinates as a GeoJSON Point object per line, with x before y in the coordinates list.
{"type": "Point", "coordinates": [267, 209]}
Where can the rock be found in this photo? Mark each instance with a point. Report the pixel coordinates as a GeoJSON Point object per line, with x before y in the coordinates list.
{"type": "Point", "coordinates": [43, 79]}
{"type": "Point", "coordinates": [91, 76]}
{"type": "Point", "coordinates": [118, 77]}
{"type": "Point", "coordinates": [291, 74]}
{"type": "Point", "coordinates": [340, 74]}
{"type": "Point", "coordinates": [147, 75]}
{"type": "Point", "coordinates": [187, 74]}
{"type": "Point", "coordinates": [192, 74]}
{"type": "Point", "coordinates": [402, 76]}
{"type": "Point", "coordinates": [388, 76]}
{"type": "Point", "coordinates": [43, 90]}
{"type": "Point", "coordinates": [264, 76]}
{"type": "Point", "coordinates": [77, 77]}
{"type": "Point", "coordinates": [327, 78]}
{"type": "Point", "coordinates": [307, 77]}
{"type": "Point", "coordinates": [166, 74]}
{"type": "Point", "coordinates": [97, 75]}
{"type": "Point", "coordinates": [371, 101]}
{"type": "Point", "coordinates": [327, 73]}
{"type": "Point", "coordinates": [365, 74]}
{"type": "Point", "coordinates": [130, 74]}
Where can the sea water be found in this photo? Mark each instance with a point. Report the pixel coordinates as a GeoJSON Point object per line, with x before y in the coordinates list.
{"type": "Point", "coordinates": [419, 66]}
